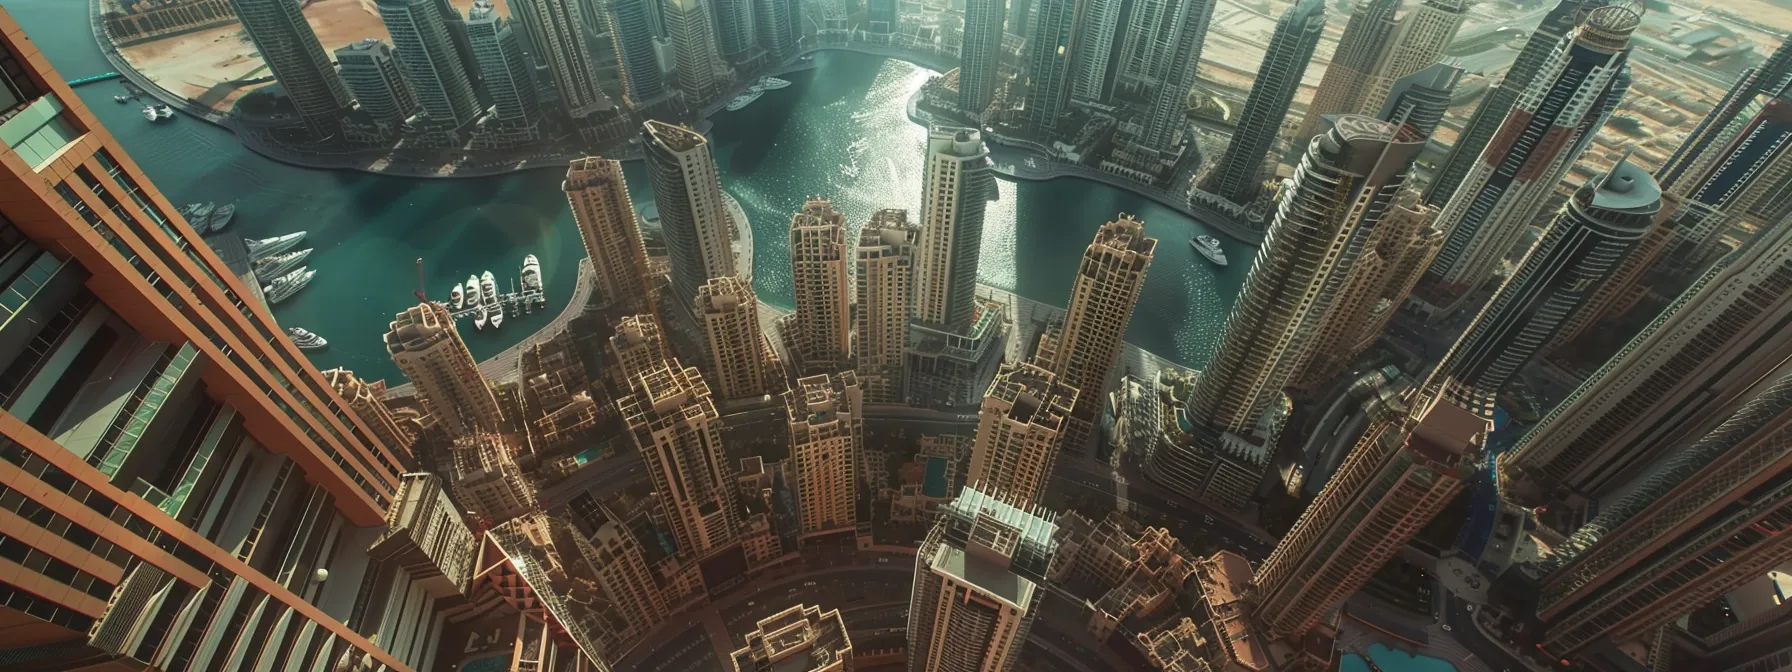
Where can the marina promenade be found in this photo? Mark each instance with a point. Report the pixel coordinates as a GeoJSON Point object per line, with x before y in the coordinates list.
{"type": "Point", "coordinates": [502, 367]}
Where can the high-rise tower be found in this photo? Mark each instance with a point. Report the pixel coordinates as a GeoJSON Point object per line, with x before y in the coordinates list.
{"type": "Point", "coordinates": [1418, 42]}
{"type": "Point", "coordinates": [371, 72]}
{"type": "Point", "coordinates": [884, 274]}
{"type": "Point", "coordinates": [1766, 80]}
{"type": "Point", "coordinates": [631, 29]}
{"type": "Point", "coordinates": [1051, 46]}
{"type": "Point", "coordinates": [820, 331]}
{"type": "Point", "coordinates": [1396, 253]}
{"type": "Point", "coordinates": [1083, 351]}
{"type": "Point", "coordinates": [688, 192]}
{"type": "Point", "coordinates": [1696, 363]}
{"type": "Point", "coordinates": [1344, 186]}
{"type": "Point", "coordinates": [1708, 519]}
{"type": "Point", "coordinates": [1019, 431]}
{"type": "Point", "coordinates": [958, 183]}
{"type": "Point", "coordinates": [1494, 108]}
{"type": "Point", "coordinates": [1162, 125]}
{"type": "Point", "coordinates": [1237, 177]}
{"type": "Point", "coordinates": [979, 577]}
{"type": "Point", "coordinates": [678, 432]}
{"type": "Point", "coordinates": [566, 50]}
{"type": "Point", "coordinates": [979, 55]}
{"type": "Point", "coordinates": [689, 26]}
{"type": "Point", "coordinates": [364, 400]}
{"type": "Point", "coordinates": [742, 361]}
{"type": "Point", "coordinates": [777, 26]}
{"type": "Point", "coordinates": [825, 414]}
{"type": "Point", "coordinates": [431, 64]}
{"type": "Point", "coordinates": [637, 347]}
{"type": "Point", "coordinates": [165, 444]}
{"type": "Point", "coordinates": [1549, 126]}
{"type": "Point", "coordinates": [427, 349]}
{"type": "Point", "coordinates": [295, 57]}
{"type": "Point", "coordinates": [504, 70]}
{"type": "Point", "coordinates": [1345, 84]}
{"type": "Point", "coordinates": [1092, 65]}
{"type": "Point", "coordinates": [598, 194]}
{"type": "Point", "coordinates": [1421, 99]}
{"type": "Point", "coordinates": [735, 35]}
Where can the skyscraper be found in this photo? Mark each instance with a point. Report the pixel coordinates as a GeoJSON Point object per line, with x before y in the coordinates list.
{"type": "Point", "coordinates": [566, 50]}
{"type": "Point", "coordinates": [820, 331]}
{"type": "Point", "coordinates": [1162, 125]}
{"type": "Point", "coordinates": [957, 184]}
{"type": "Point", "coordinates": [884, 274]}
{"type": "Point", "coordinates": [1345, 84]}
{"type": "Point", "coordinates": [1586, 242]}
{"type": "Point", "coordinates": [1707, 520]}
{"type": "Point", "coordinates": [1083, 351]}
{"type": "Point", "coordinates": [1494, 108]}
{"type": "Point", "coordinates": [979, 576]}
{"type": "Point", "coordinates": [486, 478]}
{"type": "Point", "coordinates": [598, 194]}
{"type": "Point", "coordinates": [1052, 44]}
{"type": "Point", "coordinates": [431, 64]}
{"type": "Point", "coordinates": [1766, 80]}
{"type": "Point", "coordinates": [735, 35]}
{"type": "Point", "coordinates": [1092, 67]}
{"type": "Point", "coordinates": [777, 24]}
{"type": "Point", "coordinates": [372, 74]}
{"type": "Point", "coordinates": [1395, 254]}
{"type": "Point", "coordinates": [504, 70]}
{"type": "Point", "coordinates": [364, 400]}
{"type": "Point", "coordinates": [1418, 43]}
{"type": "Point", "coordinates": [678, 432]}
{"type": "Point", "coordinates": [825, 415]}
{"type": "Point", "coordinates": [297, 60]}
{"type": "Point", "coordinates": [1574, 92]}
{"type": "Point", "coordinates": [693, 36]}
{"type": "Point", "coordinates": [143, 369]}
{"type": "Point", "coordinates": [1019, 431]}
{"type": "Point", "coordinates": [1421, 99]}
{"type": "Point", "coordinates": [637, 347]}
{"type": "Point", "coordinates": [1748, 175]}
{"type": "Point", "coordinates": [798, 639]}
{"type": "Point", "coordinates": [741, 359]}
{"type": "Point", "coordinates": [688, 192]}
{"type": "Point", "coordinates": [620, 564]}
{"type": "Point", "coordinates": [631, 28]}
{"type": "Point", "coordinates": [1695, 364]}
{"type": "Point", "coordinates": [1238, 176]}
{"type": "Point", "coordinates": [427, 349]}
{"type": "Point", "coordinates": [979, 55]}
{"type": "Point", "coordinates": [1396, 478]}
{"type": "Point", "coordinates": [1344, 186]}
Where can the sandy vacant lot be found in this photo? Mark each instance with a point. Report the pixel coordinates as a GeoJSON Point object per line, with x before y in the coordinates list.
{"type": "Point", "coordinates": [203, 65]}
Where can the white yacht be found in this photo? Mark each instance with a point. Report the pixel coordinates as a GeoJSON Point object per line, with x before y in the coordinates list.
{"type": "Point", "coordinates": [268, 247]}
{"type": "Point", "coordinates": [287, 285]}
{"type": "Point", "coordinates": [459, 299]}
{"type": "Point", "coordinates": [488, 295]}
{"type": "Point", "coordinates": [744, 100]}
{"type": "Point", "coordinates": [1209, 247]}
{"type": "Point", "coordinates": [531, 273]}
{"type": "Point", "coordinates": [772, 83]}
{"type": "Point", "coordinates": [305, 339]}
{"type": "Point", "coordinates": [280, 264]}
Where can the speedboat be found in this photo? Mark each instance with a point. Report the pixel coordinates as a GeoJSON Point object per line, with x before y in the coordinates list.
{"type": "Point", "coordinates": [164, 112]}
{"type": "Point", "coordinates": [772, 83]}
{"type": "Point", "coordinates": [149, 112]}
{"type": "Point", "coordinates": [1209, 247]}
{"type": "Point", "coordinates": [280, 264]}
{"type": "Point", "coordinates": [531, 273]}
{"type": "Point", "coordinates": [459, 299]}
{"type": "Point", "coordinates": [221, 217]}
{"type": "Point", "coordinates": [267, 247]}
{"type": "Point", "coordinates": [744, 100]}
{"type": "Point", "coordinates": [305, 339]}
{"type": "Point", "coordinates": [121, 98]}
{"type": "Point", "coordinates": [488, 295]}
{"type": "Point", "coordinates": [287, 285]}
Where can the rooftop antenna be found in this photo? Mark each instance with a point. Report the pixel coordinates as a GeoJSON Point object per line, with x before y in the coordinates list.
{"type": "Point", "coordinates": [421, 297]}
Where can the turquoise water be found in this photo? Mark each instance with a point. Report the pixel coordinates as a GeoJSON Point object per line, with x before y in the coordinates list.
{"type": "Point", "coordinates": [1394, 660]}
{"type": "Point", "coordinates": [588, 455]}
{"type": "Point", "coordinates": [840, 131]}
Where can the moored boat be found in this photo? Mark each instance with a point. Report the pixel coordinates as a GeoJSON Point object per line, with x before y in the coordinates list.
{"type": "Point", "coordinates": [1209, 247]}
{"type": "Point", "coordinates": [267, 247]}
{"type": "Point", "coordinates": [744, 100]}
{"type": "Point", "coordinates": [772, 83]}
{"type": "Point", "coordinates": [488, 295]}
{"type": "Point", "coordinates": [455, 296]}
{"type": "Point", "coordinates": [531, 273]}
{"type": "Point", "coordinates": [305, 339]}
{"type": "Point", "coordinates": [121, 98]}
{"type": "Point", "coordinates": [287, 285]}
{"type": "Point", "coordinates": [280, 264]}
{"type": "Point", "coordinates": [221, 217]}
{"type": "Point", "coordinates": [495, 315]}
{"type": "Point", "coordinates": [164, 112]}
{"type": "Point", "coordinates": [149, 112]}
{"type": "Point", "coordinates": [472, 291]}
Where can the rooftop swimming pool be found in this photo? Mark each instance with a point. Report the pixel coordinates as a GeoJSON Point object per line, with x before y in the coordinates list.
{"type": "Point", "coordinates": [1394, 660]}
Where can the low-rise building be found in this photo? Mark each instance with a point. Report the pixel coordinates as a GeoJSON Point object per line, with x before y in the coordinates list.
{"type": "Point", "coordinates": [801, 638]}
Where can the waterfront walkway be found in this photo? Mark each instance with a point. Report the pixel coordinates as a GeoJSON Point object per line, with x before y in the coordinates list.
{"type": "Point", "coordinates": [502, 367]}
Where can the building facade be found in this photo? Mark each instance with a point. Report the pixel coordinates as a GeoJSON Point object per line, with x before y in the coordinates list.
{"type": "Point", "coordinates": [371, 72]}
{"type": "Point", "coordinates": [689, 26]}
{"type": "Point", "coordinates": [826, 414]}
{"type": "Point", "coordinates": [631, 30]}
{"type": "Point", "coordinates": [979, 576]}
{"type": "Point", "coordinates": [820, 330]}
{"type": "Point", "coordinates": [636, 347]}
{"type": "Point", "coordinates": [427, 348]}
{"type": "Point", "coordinates": [1051, 45]}
{"type": "Point", "coordinates": [980, 56]}
{"type": "Point", "coordinates": [742, 360]}
{"type": "Point", "coordinates": [364, 400]}
{"type": "Point", "coordinates": [1239, 175]}
{"type": "Point", "coordinates": [1345, 84]}
{"type": "Point", "coordinates": [565, 48]}
{"type": "Point", "coordinates": [957, 184]}
{"type": "Point", "coordinates": [798, 639]}
{"type": "Point", "coordinates": [504, 70]}
{"type": "Point", "coordinates": [884, 277]}
{"type": "Point", "coordinates": [1418, 43]}
{"type": "Point", "coordinates": [431, 62]}
{"type": "Point", "coordinates": [297, 60]}
{"type": "Point", "coordinates": [1083, 351]}
{"type": "Point", "coordinates": [1019, 430]}
{"type": "Point", "coordinates": [675, 426]}
{"type": "Point", "coordinates": [597, 192]}
{"type": "Point", "coordinates": [1397, 253]}
{"type": "Point", "coordinates": [688, 192]}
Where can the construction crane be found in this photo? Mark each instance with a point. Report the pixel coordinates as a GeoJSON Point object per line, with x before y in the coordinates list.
{"type": "Point", "coordinates": [421, 297]}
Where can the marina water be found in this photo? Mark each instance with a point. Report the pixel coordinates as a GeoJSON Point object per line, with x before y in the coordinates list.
{"type": "Point", "coordinates": [840, 131]}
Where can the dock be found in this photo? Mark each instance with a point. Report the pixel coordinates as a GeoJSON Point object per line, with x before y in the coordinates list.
{"type": "Point", "coordinates": [513, 303]}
